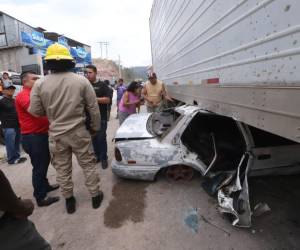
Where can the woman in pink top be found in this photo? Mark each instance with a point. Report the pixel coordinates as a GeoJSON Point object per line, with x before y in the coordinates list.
{"type": "Point", "coordinates": [130, 101]}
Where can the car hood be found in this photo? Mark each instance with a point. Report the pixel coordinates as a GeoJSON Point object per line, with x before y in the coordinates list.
{"type": "Point", "coordinates": [134, 127]}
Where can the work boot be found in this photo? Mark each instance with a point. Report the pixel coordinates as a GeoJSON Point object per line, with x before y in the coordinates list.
{"type": "Point", "coordinates": [18, 161]}
{"type": "Point", "coordinates": [52, 188]}
{"type": "Point", "coordinates": [47, 201]}
{"type": "Point", "coordinates": [71, 205]}
{"type": "Point", "coordinates": [21, 160]}
{"type": "Point", "coordinates": [104, 164]}
{"type": "Point", "coordinates": [96, 201]}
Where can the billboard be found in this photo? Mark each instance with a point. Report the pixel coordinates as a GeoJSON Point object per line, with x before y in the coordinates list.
{"type": "Point", "coordinates": [63, 41]}
{"type": "Point", "coordinates": [81, 55]}
{"type": "Point", "coordinates": [36, 40]}
{"type": "Point", "coordinates": [39, 43]}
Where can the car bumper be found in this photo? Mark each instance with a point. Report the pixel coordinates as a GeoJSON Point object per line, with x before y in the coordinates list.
{"type": "Point", "coordinates": [147, 173]}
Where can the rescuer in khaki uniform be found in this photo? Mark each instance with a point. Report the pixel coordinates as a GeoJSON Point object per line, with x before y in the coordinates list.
{"type": "Point", "coordinates": [154, 92]}
{"type": "Point", "coordinates": [65, 97]}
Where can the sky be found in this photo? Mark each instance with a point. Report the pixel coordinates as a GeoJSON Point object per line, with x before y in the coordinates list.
{"type": "Point", "coordinates": [123, 23]}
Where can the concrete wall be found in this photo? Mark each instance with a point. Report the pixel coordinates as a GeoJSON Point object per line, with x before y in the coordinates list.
{"type": "Point", "coordinates": [14, 58]}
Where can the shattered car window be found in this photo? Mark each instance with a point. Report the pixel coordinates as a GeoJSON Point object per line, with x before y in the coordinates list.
{"type": "Point", "coordinates": [159, 123]}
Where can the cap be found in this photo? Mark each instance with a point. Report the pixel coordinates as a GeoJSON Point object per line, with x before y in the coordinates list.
{"type": "Point", "coordinates": [152, 75]}
{"type": "Point", "coordinates": [8, 85]}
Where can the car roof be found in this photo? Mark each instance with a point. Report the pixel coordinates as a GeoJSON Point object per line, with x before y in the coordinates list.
{"type": "Point", "coordinates": [190, 109]}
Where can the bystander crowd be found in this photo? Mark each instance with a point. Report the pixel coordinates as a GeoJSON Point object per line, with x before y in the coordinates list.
{"type": "Point", "coordinates": [10, 124]}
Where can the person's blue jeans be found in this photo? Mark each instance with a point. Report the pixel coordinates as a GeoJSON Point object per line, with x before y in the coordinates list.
{"type": "Point", "coordinates": [12, 143]}
{"type": "Point", "coordinates": [100, 143]}
{"type": "Point", "coordinates": [37, 146]}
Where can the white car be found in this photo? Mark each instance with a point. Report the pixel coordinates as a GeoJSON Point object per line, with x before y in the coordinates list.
{"type": "Point", "coordinates": [16, 81]}
{"type": "Point", "coordinates": [186, 139]}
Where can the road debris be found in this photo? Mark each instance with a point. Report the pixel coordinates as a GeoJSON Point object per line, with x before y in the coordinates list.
{"type": "Point", "coordinates": [214, 225]}
{"type": "Point", "coordinates": [260, 209]}
{"type": "Point", "coordinates": [234, 198]}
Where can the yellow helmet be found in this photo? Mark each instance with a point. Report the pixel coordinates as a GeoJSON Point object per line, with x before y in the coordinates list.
{"type": "Point", "coordinates": [58, 52]}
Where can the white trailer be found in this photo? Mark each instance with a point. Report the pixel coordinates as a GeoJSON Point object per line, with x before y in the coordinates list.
{"type": "Point", "coordinates": [237, 58]}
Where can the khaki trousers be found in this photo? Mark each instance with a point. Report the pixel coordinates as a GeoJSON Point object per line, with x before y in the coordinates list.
{"type": "Point", "coordinates": [158, 108]}
{"type": "Point", "coordinates": [79, 142]}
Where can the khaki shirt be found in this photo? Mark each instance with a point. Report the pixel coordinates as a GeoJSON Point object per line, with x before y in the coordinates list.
{"type": "Point", "coordinates": [154, 91]}
{"type": "Point", "coordinates": [64, 98]}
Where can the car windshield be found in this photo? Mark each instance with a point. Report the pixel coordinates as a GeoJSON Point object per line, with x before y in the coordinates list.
{"type": "Point", "coordinates": [159, 123]}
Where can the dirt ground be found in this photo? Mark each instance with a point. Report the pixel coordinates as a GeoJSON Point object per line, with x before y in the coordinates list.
{"type": "Point", "coordinates": [162, 214]}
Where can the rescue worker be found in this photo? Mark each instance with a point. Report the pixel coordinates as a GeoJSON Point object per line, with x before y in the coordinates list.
{"type": "Point", "coordinates": [103, 94]}
{"type": "Point", "coordinates": [65, 97]}
{"type": "Point", "coordinates": [154, 93]}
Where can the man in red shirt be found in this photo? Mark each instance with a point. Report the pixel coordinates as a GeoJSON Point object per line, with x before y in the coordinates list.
{"type": "Point", "coordinates": [34, 132]}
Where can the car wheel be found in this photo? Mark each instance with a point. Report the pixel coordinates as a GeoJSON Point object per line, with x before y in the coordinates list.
{"type": "Point", "coordinates": [179, 172]}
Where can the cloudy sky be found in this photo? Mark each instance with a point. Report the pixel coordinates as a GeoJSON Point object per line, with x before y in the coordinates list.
{"type": "Point", "coordinates": [124, 23]}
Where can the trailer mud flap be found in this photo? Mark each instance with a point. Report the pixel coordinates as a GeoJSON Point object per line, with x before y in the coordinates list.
{"type": "Point", "coordinates": [233, 199]}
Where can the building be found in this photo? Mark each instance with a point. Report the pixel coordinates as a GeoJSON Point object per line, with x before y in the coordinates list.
{"type": "Point", "coordinates": [23, 47]}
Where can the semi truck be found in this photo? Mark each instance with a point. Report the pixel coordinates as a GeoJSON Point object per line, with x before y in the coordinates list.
{"type": "Point", "coordinates": [236, 59]}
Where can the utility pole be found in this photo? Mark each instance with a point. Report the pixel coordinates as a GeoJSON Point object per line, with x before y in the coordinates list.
{"type": "Point", "coordinates": [106, 44]}
{"type": "Point", "coordinates": [100, 45]}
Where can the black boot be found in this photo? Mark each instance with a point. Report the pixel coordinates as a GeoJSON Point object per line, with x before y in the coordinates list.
{"type": "Point", "coordinates": [47, 201]}
{"type": "Point", "coordinates": [104, 164]}
{"type": "Point", "coordinates": [51, 188]}
{"type": "Point", "coordinates": [71, 205]}
{"type": "Point", "coordinates": [96, 201]}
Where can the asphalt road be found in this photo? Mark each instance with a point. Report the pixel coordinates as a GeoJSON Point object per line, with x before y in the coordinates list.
{"type": "Point", "coordinates": [162, 214]}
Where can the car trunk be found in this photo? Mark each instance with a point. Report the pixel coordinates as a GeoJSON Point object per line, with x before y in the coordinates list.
{"type": "Point", "coordinates": [134, 128]}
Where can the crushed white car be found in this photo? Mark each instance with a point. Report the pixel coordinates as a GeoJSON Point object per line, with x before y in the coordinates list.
{"type": "Point", "coordinates": [185, 139]}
